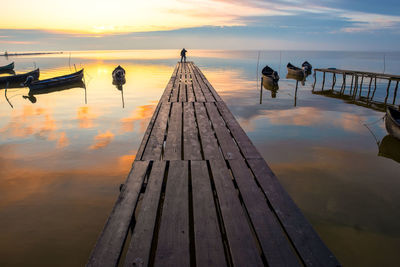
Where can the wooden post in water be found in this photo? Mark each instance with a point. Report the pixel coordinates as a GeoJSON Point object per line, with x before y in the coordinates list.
{"type": "Point", "coordinates": [395, 92]}
{"type": "Point", "coordinates": [323, 82]}
{"type": "Point", "coordinates": [261, 87]}
{"type": "Point", "coordinates": [355, 87]}
{"type": "Point", "coordinates": [369, 88]}
{"type": "Point", "coordinates": [361, 84]}
{"type": "Point", "coordinates": [387, 91]}
{"type": "Point", "coordinates": [351, 86]}
{"type": "Point", "coordinates": [373, 93]}
{"type": "Point", "coordinates": [334, 81]}
{"type": "Point", "coordinates": [343, 84]}
{"type": "Point", "coordinates": [315, 80]}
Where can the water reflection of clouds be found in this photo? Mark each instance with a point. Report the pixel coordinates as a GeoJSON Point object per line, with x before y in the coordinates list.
{"type": "Point", "coordinates": [141, 114]}
{"type": "Point", "coordinates": [102, 140]}
{"type": "Point", "coordinates": [86, 116]}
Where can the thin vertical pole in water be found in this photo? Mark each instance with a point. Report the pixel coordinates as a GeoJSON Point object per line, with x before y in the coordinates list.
{"type": "Point", "coordinates": [355, 87]}
{"type": "Point", "coordinates": [351, 86]}
{"type": "Point", "coordinates": [261, 92]}
{"type": "Point", "coordinates": [295, 94]}
{"type": "Point", "coordinates": [387, 91]}
{"type": "Point", "coordinates": [258, 63]}
{"type": "Point", "coordinates": [343, 83]}
{"type": "Point", "coordinates": [315, 80]}
{"type": "Point", "coordinates": [333, 81]}
{"type": "Point", "coordinates": [323, 82]}
{"type": "Point", "coordinates": [373, 93]}
{"type": "Point", "coordinates": [395, 92]}
{"type": "Point", "coordinates": [361, 84]}
{"type": "Point", "coordinates": [369, 88]}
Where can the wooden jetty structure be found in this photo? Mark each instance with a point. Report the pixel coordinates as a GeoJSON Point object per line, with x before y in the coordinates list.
{"type": "Point", "coordinates": [355, 91]}
{"type": "Point", "coordinates": [200, 194]}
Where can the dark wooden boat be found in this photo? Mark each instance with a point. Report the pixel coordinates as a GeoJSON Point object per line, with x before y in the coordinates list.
{"type": "Point", "coordinates": [294, 70]}
{"type": "Point", "coordinates": [269, 74]}
{"type": "Point", "coordinates": [19, 78]}
{"type": "Point", "coordinates": [392, 122]}
{"type": "Point", "coordinates": [389, 147]}
{"type": "Point", "coordinates": [7, 67]}
{"type": "Point", "coordinates": [118, 75]}
{"type": "Point", "coordinates": [306, 66]}
{"type": "Point", "coordinates": [56, 81]}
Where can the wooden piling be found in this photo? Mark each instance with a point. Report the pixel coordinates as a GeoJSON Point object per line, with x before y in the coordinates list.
{"type": "Point", "coordinates": [333, 81]}
{"type": "Point", "coordinates": [323, 81]}
{"type": "Point", "coordinates": [387, 91]}
{"type": "Point", "coordinates": [395, 92]}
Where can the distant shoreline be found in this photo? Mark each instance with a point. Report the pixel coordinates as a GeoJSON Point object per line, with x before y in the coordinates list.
{"type": "Point", "coordinates": [28, 54]}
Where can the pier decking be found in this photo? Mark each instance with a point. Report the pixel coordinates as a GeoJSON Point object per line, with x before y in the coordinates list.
{"type": "Point", "coordinates": [200, 194]}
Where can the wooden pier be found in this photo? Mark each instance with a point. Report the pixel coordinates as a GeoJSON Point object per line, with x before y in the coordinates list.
{"type": "Point", "coordinates": [355, 91]}
{"type": "Point", "coordinates": [200, 194]}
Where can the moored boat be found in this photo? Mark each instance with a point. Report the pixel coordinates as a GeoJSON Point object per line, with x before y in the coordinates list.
{"type": "Point", "coordinates": [56, 81]}
{"type": "Point", "coordinates": [268, 74]}
{"type": "Point", "coordinates": [392, 122]}
{"type": "Point", "coordinates": [118, 75]}
{"type": "Point", "coordinates": [19, 78]}
{"type": "Point", "coordinates": [7, 67]}
{"type": "Point", "coordinates": [294, 70]}
{"type": "Point", "coordinates": [306, 66]}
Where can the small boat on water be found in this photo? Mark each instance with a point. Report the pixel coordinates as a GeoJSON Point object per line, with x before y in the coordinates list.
{"type": "Point", "coordinates": [19, 78]}
{"type": "Point", "coordinates": [306, 66]}
{"type": "Point", "coordinates": [118, 75]}
{"type": "Point", "coordinates": [7, 67]}
{"type": "Point", "coordinates": [392, 122]}
{"type": "Point", "coordinates": [293, 70]}
{"type": "Point", "coordinates": [268, 74]}
{"type": "Point", "coordinates": [54, 82]}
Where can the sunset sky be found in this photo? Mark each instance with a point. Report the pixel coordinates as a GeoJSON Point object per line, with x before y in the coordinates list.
{"type": "Point", "coordinates": [207, 24]}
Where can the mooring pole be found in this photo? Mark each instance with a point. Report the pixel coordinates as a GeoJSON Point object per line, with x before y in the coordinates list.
{"type": "Point", "coordinates": [373, 94]}
{"type": "Point", "coordinates": [361, 84]}
{"type": "Point", "coordinates": [395, 92]}
{"type": "Point", "coordinates": [369, 88]}
{"type": "Point", "coordinates": [315, 80]}
{"type": "Point", "coordinates": [323, 82]}
{"type": "Point", "coordinates": [333, 81]}
{"type": "Point", "coordinates": [387, 91]}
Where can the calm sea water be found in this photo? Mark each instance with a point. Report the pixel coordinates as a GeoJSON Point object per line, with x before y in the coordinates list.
{"type": "Point", "coordinates": [63, 158]}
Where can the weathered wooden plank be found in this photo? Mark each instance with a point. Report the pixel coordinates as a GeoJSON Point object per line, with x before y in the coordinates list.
{"type": "Point", "coordinates": [241, 138]}
{"type": "Point", "coordinates": [242, 244]}
{"type": "Point", "coordinates": [208, 140]}
{"type": "Point", "coordinates": [310, 247]}
{"type": "Point", "coordinates": [210, 87]}
{"type": "Point", "coordinates": [183, 91]}
{"type": "Point", "coordinates": [196, 88]}
{"type": "Point", "coordinates": [191, 142]}
{"type": "Point", "coordinates": [228, 146]}
{"type": "Point", "coordinates": [148, 132]}
{"type": "Point", "coordinates": [167, 92]}
{"type": "Point", "coordinates": [154, 145]}
{"type": "Point", "coordinates": [272, 237]}
{"type": "Point", "coordinates": [173, 144]}
{"type": "Point", "coordinates": [173, 236]}
{"type": "Point", "coordinates": [110, 243]}
{"type": "Point", "coordinates": [208, 241]}
{"type": "Point", "coordinates": [189, 91]}
{"type": "Point", "coordinates": [175, 91]}
{"type": "Point", "coordinates": [204, 88]}
{"type": "Point", "coordinates": [140, 246]}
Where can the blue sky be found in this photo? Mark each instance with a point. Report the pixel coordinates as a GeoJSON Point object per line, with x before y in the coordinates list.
{"type": "Point", "coordinates": [208, 24]}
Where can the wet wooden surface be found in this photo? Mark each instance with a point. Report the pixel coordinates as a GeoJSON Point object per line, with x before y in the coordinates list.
{"type": "Point", "coordinates": [200, 194]}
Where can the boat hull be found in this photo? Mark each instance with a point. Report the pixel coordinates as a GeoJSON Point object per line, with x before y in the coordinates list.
{"type": "Point", "coordinates": [392, 122]}
{"type": "Point", "coordinates": [19, 78]}
{"type": "Point", "coordinates": [7, 67]}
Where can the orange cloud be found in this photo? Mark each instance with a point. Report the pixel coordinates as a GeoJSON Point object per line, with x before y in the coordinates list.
{"type": "Point", "coordinates": [85, 117]}
{"type": "Point", "coordinates": [102, 140]}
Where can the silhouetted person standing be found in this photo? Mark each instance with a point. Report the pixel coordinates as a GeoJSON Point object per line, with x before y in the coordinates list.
{"type": "Point", "coordinates": [183, 55]}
